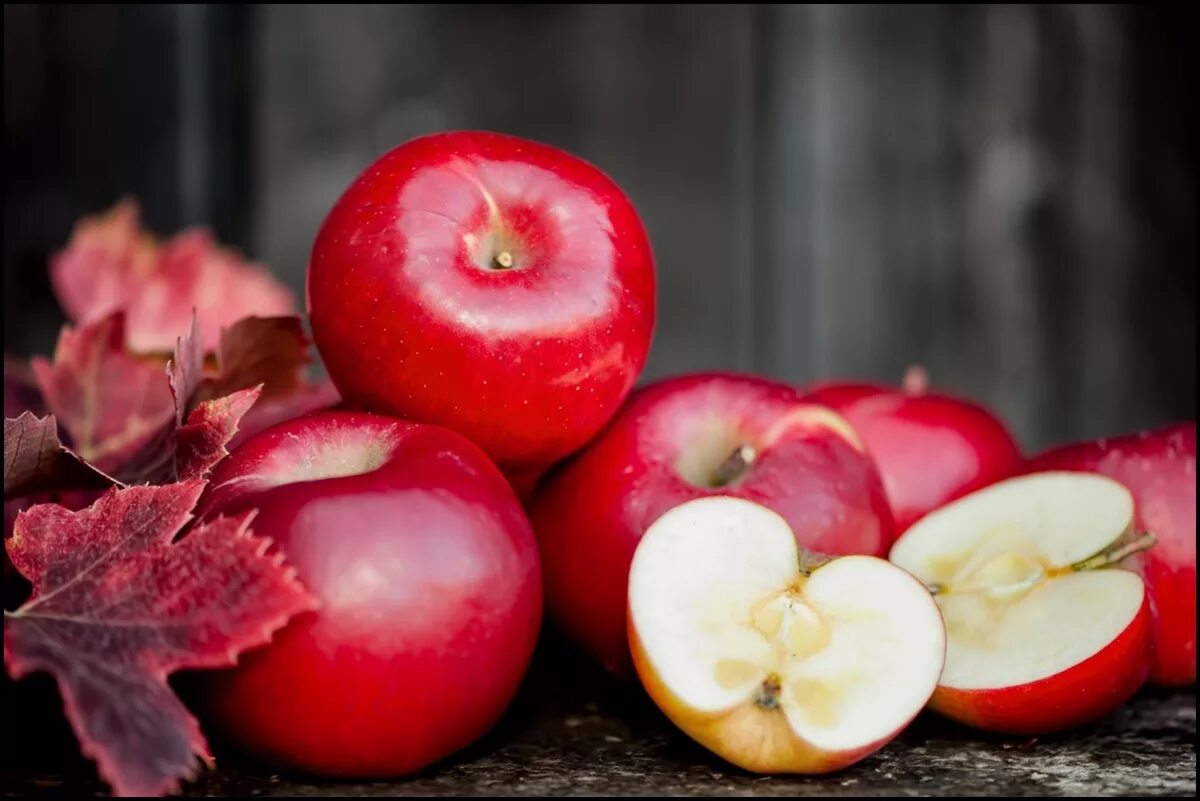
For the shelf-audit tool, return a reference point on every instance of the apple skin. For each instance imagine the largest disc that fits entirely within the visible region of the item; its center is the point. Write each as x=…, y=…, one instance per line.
x=931, y=448
x=428, y=577
x=415, y=317
x=591, y=512
x=1081, y=694
x=1159, y=469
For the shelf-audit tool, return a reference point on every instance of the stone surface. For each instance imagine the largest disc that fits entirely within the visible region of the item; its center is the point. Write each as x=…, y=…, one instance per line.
x=574, y=732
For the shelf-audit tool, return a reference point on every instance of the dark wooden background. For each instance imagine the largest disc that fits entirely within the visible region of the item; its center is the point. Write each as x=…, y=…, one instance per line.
x=1006, y=194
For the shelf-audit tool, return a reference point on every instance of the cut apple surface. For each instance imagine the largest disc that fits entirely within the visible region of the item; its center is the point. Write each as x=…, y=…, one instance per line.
x=773, y=662
x=1045, y=632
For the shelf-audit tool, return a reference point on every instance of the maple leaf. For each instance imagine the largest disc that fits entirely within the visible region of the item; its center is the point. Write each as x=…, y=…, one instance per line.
x=127, y=418
x=35, y=460
x=272, y=351
x=110, y=403
x=201, y=429
x=112, y=264
x=130, y=419
x=118, y=604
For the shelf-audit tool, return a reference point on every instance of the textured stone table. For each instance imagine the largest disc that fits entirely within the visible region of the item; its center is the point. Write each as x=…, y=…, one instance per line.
x=572, y=731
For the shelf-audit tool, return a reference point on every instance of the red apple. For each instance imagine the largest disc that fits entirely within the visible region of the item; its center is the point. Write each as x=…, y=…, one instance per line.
x=1159, y=468
x=930, y=447
x=1044, y=630
x=496, y=286
x=686, y=438
x=427, y=573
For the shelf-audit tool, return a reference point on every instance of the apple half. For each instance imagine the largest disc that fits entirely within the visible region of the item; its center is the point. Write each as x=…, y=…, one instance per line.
x=1045, y=631
x=773, y=659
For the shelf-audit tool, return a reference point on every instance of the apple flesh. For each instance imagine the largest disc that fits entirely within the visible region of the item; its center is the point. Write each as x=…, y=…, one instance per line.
x=690, y=437
x=427, y=574
x=496, y=286
x=1159, y=469
x=772, y=662
x=1044, y=632
x=931, y=448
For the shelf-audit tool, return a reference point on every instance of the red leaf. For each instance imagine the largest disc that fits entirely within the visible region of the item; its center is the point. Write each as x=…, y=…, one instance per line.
x=35, y=460
x=124, y=415
x=272, y=351
x=190, y=449
x=117, y=605
x=185, y=371
x=111, y=404
x=200, y=443
x=112, y=264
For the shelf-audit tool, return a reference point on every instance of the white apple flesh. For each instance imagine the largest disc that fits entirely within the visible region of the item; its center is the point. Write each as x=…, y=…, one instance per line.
x=770, y=659
x=1045, y=632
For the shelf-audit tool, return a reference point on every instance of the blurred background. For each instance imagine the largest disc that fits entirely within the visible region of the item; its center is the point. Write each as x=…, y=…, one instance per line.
x=1005, y=194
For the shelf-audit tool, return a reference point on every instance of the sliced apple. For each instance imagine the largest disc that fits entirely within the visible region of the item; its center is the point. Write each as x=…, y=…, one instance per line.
x=1045, y=631
x=767, y=657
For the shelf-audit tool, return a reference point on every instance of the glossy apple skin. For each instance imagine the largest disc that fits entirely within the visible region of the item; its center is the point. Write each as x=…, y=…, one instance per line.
x=591, y=512
x=428, y=577
x=1159, y=469
x=413, y=318
x=1082, y=694
x=931, y=448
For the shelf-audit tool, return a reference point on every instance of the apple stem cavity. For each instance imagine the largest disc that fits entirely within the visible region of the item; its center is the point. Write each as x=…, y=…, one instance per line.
x=734, y=466
x=1115, y=553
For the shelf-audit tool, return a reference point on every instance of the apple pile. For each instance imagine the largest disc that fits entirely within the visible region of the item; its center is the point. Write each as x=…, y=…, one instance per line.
x=483, y=304
x=726, y=538
x=793, y=574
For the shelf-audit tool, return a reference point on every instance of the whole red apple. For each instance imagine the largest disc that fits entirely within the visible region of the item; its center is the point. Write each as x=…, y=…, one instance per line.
x=685, y=438
x=427, y=573
x=496, y=286
x=931, y=448
x=1159, y=469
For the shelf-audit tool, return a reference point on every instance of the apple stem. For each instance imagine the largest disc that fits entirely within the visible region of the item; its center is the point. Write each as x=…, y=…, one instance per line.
x=916, y=380
x=768, y=692
x=503, y=260
x=1115, y=553
x=734, y=466
x=811, y=560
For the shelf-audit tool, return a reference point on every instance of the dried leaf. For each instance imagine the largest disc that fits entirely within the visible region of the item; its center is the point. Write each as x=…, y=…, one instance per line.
x=272, y=351
x=36, y=461
x=126, y=416
x=201, y=442
x=112, y=264
x=110, y=404
x=117, y=605
x=190, y=448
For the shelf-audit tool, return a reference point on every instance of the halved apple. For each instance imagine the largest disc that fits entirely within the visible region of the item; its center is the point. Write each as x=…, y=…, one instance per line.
x=1045, y=632
x=767, y=656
